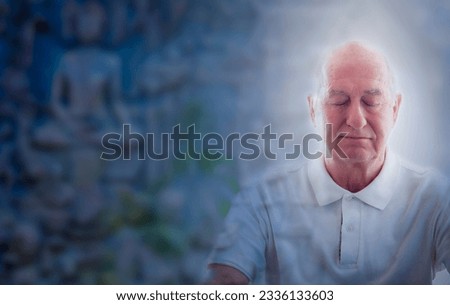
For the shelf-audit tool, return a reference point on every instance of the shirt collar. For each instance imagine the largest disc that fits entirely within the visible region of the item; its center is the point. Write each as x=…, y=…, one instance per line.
x=377, y=194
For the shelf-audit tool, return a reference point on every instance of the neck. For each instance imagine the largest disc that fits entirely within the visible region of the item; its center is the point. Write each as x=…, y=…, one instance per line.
x=354, y=176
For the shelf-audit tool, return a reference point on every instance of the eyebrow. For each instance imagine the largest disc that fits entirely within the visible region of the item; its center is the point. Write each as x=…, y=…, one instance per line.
x=373, y=92
x=332, y=92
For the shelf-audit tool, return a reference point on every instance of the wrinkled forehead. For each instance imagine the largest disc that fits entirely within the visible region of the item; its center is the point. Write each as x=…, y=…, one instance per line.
x=357, y=62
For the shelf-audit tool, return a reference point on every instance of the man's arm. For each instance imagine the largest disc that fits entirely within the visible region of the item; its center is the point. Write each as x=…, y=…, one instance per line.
x=241, y=244
x=226, y=275
x=443, y=230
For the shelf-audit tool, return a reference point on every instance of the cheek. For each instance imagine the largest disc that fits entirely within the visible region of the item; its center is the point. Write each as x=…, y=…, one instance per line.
x=382, y=126
x=334, y=116
x=336, y=119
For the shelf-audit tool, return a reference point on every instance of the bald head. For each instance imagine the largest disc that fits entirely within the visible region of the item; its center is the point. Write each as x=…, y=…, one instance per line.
x=360, y=61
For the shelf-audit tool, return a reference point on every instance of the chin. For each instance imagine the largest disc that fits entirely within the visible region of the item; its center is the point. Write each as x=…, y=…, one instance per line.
x=357, y=155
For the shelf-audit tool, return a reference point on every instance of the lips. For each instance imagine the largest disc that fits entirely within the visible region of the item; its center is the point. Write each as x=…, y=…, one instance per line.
x=354, y=137
x=357, y=138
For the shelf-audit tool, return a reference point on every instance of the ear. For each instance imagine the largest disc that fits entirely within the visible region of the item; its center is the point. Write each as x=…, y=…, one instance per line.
x=312, y=112
x=396, y=107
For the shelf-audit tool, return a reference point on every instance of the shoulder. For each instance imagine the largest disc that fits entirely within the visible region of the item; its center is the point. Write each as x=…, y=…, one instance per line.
x=277, y=183
x=428, y=181
x=277, y=174
x=423, y=174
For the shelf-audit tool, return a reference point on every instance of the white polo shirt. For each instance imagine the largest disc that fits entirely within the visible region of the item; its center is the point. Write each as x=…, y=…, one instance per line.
x=300, y=227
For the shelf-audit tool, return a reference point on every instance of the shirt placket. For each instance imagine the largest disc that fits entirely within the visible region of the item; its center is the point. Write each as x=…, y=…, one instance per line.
x=350, y=231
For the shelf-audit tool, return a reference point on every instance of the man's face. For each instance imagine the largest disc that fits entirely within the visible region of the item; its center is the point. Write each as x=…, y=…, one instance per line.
x=357, y=100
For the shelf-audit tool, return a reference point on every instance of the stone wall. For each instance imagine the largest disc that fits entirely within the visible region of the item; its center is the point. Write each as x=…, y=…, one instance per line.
x=76, y=70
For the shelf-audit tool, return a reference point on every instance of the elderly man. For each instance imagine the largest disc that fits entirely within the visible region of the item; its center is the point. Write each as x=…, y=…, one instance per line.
x=359, y=215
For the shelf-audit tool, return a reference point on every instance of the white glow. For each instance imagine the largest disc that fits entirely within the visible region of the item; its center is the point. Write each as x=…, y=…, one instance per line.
x=297, y=34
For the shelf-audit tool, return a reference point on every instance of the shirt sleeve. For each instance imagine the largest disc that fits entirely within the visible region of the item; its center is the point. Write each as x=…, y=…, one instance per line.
x=242, y=244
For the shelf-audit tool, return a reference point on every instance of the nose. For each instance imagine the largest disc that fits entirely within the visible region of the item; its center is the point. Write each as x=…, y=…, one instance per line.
x=355, y=115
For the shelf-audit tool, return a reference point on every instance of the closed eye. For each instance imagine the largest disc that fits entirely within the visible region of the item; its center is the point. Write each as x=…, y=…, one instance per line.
x=339, y=103
x=338, y=100
x=370, y=101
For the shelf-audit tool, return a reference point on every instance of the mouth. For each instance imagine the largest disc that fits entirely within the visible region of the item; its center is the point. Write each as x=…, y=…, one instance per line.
x=347, y=137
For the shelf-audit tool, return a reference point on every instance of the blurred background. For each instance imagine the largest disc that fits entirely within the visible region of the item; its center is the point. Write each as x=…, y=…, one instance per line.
x=72, y=71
